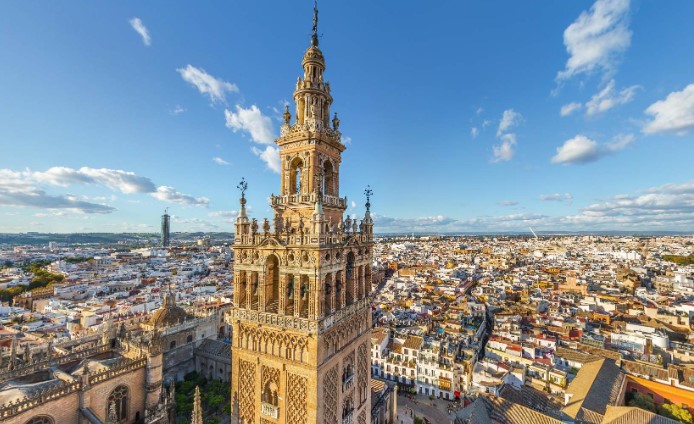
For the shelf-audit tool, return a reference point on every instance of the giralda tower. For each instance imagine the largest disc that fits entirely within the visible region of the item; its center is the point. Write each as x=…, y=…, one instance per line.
x=302, y=283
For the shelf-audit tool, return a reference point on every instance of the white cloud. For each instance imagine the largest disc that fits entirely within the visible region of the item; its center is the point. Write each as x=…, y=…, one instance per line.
x=670, y=206
x=557, y=197
x=178, y=110
x=504, y=152
x=219, y=161
x=193, y=224
x=346, y=140
x=170, y=195
x=509, y=119
x=116, y=179
x=608, y=98
x=474, y=132
x=23, y=188
x=215, y=88
x=506, y=149
x=354, y=204
x=507, y=203
x=581, y=149
x=597, y=38
x=271, y=157
x=434, y=223
x=252, y=121
x=620, y=143
x=224, y=214
x=141, y=29
x=674, y=115
x=36, y=198
x=570, y=108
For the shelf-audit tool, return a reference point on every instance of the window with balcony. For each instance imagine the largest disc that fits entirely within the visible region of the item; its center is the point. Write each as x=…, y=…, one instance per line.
x=348, y=411
x=347, y=377
x=270, y=402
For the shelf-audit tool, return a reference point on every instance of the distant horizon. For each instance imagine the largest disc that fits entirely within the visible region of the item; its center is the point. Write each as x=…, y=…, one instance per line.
x=378, y=234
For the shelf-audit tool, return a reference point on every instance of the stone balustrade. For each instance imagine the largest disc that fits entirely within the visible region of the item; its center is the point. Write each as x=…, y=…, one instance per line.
x=39, y=398
x=295, y=323
x=54, y=360
x=330, y=238
x=270, y=410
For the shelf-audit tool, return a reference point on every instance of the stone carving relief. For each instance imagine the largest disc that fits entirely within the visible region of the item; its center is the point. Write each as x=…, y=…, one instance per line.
x=330, y=392
x=247, y=391
x=296, y=399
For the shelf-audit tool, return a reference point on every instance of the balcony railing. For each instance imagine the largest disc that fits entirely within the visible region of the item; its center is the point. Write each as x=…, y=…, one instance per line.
x=270, y=410
x=347, y=383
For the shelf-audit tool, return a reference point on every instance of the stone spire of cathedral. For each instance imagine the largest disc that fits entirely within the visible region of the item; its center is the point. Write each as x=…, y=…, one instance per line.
x=196, y=417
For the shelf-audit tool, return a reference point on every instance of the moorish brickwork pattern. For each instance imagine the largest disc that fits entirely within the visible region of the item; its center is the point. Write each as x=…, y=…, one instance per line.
x=296, y=399
x=330, y=395
x=247, y=391
x=363, y=364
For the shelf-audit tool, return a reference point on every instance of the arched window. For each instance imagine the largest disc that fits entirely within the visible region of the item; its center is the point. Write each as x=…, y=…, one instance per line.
x=328, y=304
x=172, y=345
x=41, y=419
x=189, y=339
x=272, y=283
x=118, y=405
x=295, y=170
x=328, y=179
x=350, y=277
x=270, y=393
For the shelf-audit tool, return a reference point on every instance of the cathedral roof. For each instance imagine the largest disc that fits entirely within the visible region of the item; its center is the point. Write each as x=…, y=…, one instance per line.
x=169, y=314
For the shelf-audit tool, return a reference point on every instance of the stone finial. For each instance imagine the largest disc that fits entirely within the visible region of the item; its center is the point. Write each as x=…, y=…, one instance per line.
x=196, y=416
x=287, y=116
x=336, y=122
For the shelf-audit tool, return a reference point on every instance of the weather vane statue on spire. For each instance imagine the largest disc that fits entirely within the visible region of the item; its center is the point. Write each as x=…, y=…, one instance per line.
x=243, y=186
x=314, y=37
x=368, y=192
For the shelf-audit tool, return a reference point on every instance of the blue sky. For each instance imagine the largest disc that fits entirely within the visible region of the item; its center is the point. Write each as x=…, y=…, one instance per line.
x=462, y=116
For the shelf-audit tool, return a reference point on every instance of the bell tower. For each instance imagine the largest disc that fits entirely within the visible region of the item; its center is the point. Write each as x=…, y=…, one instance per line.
x=301, y=312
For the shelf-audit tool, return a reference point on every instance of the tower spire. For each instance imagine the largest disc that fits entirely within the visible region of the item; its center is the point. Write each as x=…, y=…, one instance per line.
x=314, y=37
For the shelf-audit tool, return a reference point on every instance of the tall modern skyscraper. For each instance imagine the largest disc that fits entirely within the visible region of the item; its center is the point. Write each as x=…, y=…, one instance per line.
x=302, y=286
x=165, y=229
